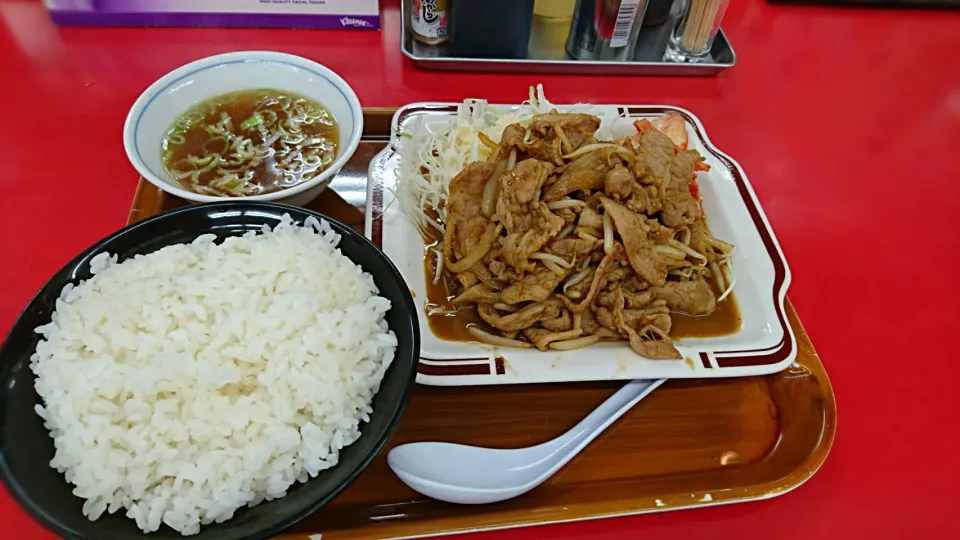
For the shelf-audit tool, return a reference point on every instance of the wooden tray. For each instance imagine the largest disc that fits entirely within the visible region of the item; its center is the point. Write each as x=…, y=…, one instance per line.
x=691, y=443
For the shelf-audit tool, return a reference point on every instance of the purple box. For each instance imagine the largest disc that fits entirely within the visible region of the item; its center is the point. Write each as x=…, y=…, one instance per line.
x=359, y=14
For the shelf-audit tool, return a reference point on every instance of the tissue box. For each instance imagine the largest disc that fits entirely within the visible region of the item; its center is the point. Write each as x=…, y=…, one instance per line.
x=359, y=14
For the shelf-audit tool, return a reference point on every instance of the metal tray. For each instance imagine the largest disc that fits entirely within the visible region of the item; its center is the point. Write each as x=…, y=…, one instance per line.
x=547, y=54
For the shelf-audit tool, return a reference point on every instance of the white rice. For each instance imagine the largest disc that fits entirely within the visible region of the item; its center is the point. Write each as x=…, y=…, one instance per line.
x=187, y=383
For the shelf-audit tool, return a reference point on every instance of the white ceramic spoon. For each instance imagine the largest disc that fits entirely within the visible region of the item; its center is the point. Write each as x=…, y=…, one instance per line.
x=472, y=475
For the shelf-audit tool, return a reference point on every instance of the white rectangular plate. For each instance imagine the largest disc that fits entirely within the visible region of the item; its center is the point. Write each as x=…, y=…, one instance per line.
x=765, y=343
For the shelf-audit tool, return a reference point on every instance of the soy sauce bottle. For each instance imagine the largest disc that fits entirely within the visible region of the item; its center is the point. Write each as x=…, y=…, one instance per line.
x=430, y=21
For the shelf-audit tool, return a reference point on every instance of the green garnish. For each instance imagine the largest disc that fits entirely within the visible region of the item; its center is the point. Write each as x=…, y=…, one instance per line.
x=252, y=122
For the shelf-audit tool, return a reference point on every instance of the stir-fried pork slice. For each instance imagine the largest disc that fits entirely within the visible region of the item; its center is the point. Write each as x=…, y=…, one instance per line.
x=512, y=138
x=574, y=248
x=656, y=151
x=585, y=172
x=466, y=190
x=477, y=293
x=543, y=338
x=633, y=232
x=679, y=206
x=525, y=318
x=529, y=222
x=693, y=297
x=561, y=323
x=590, y=218
x=609, y=262
x=535, y=286
x=644, y=199
x=650, y=341
x=581, y=288
x=698, y=235
x=466, y=222
x=577, y=128
x=548, y=150
x=619, y=182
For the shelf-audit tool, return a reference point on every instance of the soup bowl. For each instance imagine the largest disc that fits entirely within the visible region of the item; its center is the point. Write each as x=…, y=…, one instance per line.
x=168, y=98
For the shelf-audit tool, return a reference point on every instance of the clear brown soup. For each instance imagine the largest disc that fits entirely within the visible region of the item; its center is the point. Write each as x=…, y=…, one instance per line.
x=249, y=143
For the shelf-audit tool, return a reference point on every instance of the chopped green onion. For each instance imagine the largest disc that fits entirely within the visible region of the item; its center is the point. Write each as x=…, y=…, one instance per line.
x=176, y=139
x=252, y=122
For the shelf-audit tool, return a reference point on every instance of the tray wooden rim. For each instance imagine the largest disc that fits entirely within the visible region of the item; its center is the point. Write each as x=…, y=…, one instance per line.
x=149, y=200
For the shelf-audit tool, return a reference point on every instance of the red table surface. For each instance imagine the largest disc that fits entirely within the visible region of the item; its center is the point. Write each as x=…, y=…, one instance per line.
x=846, y=120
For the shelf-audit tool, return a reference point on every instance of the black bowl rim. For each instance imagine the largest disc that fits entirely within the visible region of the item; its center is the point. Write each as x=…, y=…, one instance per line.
x=53, y=524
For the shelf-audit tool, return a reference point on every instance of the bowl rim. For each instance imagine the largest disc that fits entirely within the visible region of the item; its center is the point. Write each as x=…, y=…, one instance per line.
x=53, y=524
x=131, y=122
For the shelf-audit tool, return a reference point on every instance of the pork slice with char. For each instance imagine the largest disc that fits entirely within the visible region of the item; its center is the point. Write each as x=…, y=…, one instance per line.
x=466, y=222
x=648, y=341
x=561, y=323
x=534, y=286
x=530, y=224
x=543, y=338
x=655, y=155
x=644, y=199
x=577, y=128
x=692, y=297
x=619, y=182
x=511, y=138
x=570, y=249
x=525, y=318
x=587, y=172
x=599, y=279
x=590, y=218
x=639, y=248
x=679, y=206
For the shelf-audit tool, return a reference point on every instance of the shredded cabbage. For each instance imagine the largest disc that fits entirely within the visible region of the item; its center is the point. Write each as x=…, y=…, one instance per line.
x=430, y=158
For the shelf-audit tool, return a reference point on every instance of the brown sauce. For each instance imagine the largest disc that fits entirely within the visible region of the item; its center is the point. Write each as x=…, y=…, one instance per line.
x=724, y=320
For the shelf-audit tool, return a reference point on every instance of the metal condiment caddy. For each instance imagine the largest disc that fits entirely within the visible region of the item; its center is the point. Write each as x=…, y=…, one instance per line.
x=571, y=36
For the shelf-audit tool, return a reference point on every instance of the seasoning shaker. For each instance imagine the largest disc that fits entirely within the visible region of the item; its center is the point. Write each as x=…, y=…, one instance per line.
x=490, y=28
x=692, y=37
x=658, y=11
x=430, y=21
x=605, y=29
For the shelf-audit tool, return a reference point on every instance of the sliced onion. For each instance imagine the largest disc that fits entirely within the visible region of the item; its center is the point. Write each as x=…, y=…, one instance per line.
x=492, y=188
x=729, y=289
x=587, y=236
x=553, y=268
x=597, y=146
x=478, y=251
x=565, y=203
x=671, y=252
x=564, y=141
x=577, y=278
x=527, y=138
x=607, y=233
x=487, y=141
x=439, y=270
x=512, y=160
x=552, y=258
x=577, y=343
x=687, y=249
x=719, y=244
x=497, y=340
x=718, y=276
x=565, y=232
